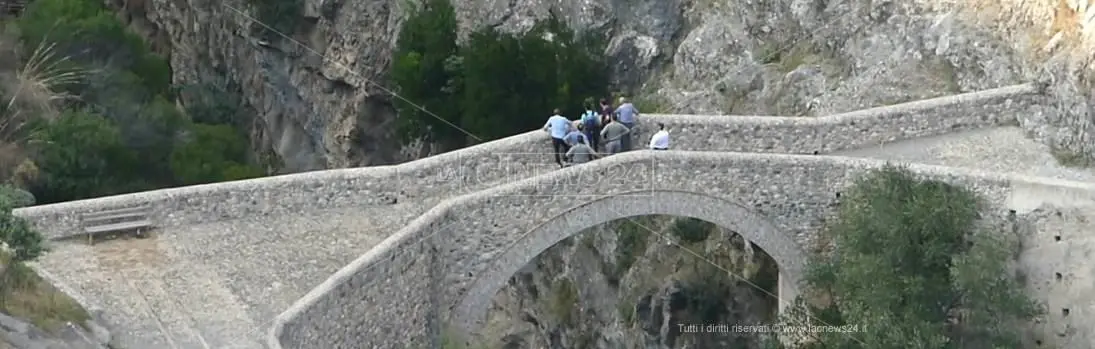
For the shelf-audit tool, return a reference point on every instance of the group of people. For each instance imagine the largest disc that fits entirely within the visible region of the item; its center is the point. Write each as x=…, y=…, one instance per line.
x=603, y=129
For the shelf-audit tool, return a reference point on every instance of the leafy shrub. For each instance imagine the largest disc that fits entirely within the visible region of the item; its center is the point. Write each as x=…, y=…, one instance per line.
x=511, y=83
x=692, y=230
x=213, y=104
x=91, y=35
x=235, y=172
x=15, y=198
x=52, y=19
x=212, y=153
x=423, y=73
x=496, y=84
x=910, y=260
x=564, y=301
x=631, y=242
x=82, y=155
x=23, y=293
x=24, y=242
x=705, y=291
x=280, y=15
x=128, y=112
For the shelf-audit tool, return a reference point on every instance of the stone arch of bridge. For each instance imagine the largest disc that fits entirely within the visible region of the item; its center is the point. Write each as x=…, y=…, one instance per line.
x=470, y=310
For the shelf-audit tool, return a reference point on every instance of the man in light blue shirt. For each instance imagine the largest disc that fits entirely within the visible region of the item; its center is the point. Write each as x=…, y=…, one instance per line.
x=627, y=114
x=558, y=127
x=575, y=136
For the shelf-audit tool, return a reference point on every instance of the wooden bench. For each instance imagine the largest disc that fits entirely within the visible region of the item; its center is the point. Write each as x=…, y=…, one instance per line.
x=138, y=219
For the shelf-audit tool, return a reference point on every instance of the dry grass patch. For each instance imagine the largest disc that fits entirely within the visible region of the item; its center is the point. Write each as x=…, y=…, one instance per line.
x=25, y=295
x=1066, y=20
x=1069, y=158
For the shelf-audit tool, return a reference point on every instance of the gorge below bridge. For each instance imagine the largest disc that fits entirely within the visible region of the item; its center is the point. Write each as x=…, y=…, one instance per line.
x=401, y=252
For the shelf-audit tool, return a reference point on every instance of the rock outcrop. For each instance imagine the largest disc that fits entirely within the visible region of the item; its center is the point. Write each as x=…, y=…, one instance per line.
x=321, y=98
x=17, y=334
x=633, y=284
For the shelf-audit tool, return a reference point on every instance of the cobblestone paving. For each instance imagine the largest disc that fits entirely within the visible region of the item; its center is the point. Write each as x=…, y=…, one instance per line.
x=217, y=285
x=1003, y=150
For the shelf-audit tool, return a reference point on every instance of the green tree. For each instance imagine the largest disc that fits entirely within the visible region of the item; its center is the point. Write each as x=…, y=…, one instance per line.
x=88, y=34
x=82, y=155
x=211, y=153
x=939, y=282
x=282, y=16
x=512, y=83
x=493, y=86
x=238, y=171
x=15, y=197
x=692, y=230
x=213, y=103
x=493, y=101
x=25, y=242
x=423, y=75
x=51, y=19
x=132, y=115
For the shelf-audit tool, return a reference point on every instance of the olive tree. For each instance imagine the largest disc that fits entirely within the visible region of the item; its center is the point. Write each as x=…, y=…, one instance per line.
x=912, y=269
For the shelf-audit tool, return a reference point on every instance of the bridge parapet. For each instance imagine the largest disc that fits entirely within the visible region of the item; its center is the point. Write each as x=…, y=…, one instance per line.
x=471, y=244
x=851, y=130
x=526, y=155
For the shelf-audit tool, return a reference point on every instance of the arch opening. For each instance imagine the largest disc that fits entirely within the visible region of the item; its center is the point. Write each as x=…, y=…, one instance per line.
x=731, y=219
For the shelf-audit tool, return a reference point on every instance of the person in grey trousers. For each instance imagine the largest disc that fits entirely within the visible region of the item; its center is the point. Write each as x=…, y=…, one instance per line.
x=614, y=135
x=627, y=114
x=581, y=152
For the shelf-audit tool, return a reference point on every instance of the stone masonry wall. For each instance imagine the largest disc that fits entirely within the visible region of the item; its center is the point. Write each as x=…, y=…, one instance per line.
x=476, y=235
x=385, y=299
x=852, y=130
x=468, y=170
x=794, y=193
x=394, y=285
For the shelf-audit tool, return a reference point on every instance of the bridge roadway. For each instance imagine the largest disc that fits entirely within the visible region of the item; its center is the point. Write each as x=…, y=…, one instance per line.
x=218, y=285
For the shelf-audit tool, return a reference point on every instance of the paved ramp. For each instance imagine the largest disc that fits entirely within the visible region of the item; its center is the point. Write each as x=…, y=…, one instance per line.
x=1001, y=149
x=219, y=285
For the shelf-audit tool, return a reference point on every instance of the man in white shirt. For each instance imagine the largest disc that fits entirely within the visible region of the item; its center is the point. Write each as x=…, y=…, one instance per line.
x=660, y=140
x=558, y=127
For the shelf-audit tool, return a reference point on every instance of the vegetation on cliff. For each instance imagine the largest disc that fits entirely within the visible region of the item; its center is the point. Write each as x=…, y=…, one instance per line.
x=913, y=269
x=494, y=85
x=22, y=293
x=89, y=110
x=281, y=16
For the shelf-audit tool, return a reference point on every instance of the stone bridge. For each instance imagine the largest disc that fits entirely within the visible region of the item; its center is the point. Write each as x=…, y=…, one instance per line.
x=425, y=245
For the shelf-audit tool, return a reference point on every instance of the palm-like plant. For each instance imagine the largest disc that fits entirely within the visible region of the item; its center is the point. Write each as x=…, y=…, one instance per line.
x=32, y=90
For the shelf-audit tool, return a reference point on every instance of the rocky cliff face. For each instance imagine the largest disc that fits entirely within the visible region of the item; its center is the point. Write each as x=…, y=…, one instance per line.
x=321, y=101
x=632, y=284
x=17, y=334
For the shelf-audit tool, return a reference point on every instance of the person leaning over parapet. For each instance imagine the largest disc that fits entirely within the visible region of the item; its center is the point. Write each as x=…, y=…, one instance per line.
x=581, y=152
x=606, y=112
x=627, y=114
x=558, y=127
x=613, y=134
x=575, y=135
x=591, y=125
x=660, y=140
